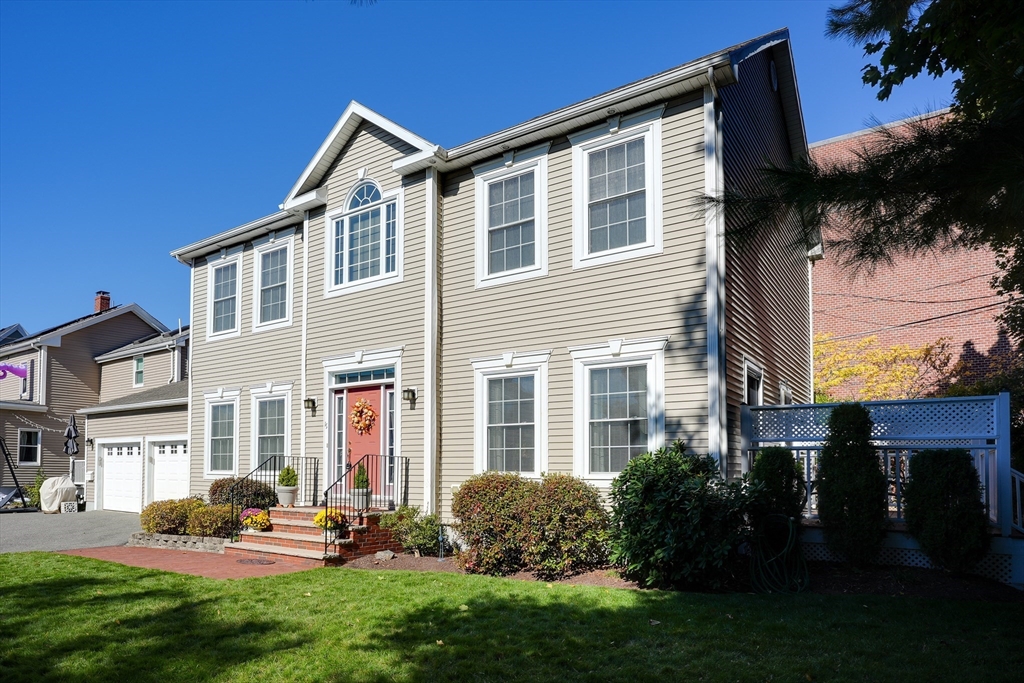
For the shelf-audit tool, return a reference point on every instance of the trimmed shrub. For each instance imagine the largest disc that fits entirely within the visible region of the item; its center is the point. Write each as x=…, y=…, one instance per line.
x=675, y=522
x=783, y=490
x=414, y=530
x=943, y=508
x=211, y=520
x=361, y=480
x=490, y=523
x=168, y=516
x=565, y=528
x=288, y=476
x=33, y=490
x=251, y=493
x=851, y=487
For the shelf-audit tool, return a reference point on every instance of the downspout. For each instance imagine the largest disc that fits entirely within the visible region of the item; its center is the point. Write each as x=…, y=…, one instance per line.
x=302, y=350
x=718, y=438
x=430, y=311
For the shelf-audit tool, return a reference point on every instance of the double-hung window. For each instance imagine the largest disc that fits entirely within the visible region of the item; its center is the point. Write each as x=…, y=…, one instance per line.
x=272, y=293
x=221, y=432
x=619, y=404
x=617, y=190
x=222, y=296
x=138, y=373
x=511, y=413
x=270, y=429
x=366, y=239
x=511, y=217
x=29, y=446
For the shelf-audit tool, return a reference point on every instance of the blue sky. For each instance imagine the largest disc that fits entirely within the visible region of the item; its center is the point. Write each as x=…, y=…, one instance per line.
x=129, y=129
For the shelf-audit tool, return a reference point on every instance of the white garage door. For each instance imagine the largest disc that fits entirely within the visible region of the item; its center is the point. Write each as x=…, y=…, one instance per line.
x=122, y=477
x=170, y=470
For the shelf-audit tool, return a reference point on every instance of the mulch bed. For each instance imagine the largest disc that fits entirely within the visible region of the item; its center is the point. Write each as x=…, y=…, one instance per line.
x=826, y=579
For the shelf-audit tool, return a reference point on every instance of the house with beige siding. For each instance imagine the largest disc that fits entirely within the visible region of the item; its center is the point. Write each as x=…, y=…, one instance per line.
x=49, y=376
x=551, y=297
x=136, y=436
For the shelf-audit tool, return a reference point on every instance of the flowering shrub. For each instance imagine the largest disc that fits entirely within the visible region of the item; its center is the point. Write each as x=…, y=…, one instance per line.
x=254, y=518
x=329, y=519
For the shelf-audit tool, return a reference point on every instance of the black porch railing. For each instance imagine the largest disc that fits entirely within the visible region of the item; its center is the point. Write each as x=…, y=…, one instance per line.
x=373, y=482
x=241, y=492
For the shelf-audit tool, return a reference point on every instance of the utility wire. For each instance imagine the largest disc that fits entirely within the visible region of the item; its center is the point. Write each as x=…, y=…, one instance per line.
x=914, y=322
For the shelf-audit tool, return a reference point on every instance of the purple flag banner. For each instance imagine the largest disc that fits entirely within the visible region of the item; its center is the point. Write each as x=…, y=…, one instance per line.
x=16, y=370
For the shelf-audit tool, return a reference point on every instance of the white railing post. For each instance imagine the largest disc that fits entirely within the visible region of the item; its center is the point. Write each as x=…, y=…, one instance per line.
x=1004, y=498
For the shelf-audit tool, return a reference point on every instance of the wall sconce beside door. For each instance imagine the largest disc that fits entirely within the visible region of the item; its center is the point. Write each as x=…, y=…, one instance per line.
x=409, y=396
x=310, y=405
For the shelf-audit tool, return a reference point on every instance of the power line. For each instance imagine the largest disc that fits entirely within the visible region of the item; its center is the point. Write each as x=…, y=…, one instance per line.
x=903, y=301
x=916, y=322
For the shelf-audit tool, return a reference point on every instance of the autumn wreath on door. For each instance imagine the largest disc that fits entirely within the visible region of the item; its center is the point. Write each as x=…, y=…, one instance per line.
x=362, y=417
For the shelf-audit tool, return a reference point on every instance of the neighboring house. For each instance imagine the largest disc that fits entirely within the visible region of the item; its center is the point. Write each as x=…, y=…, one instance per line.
x=137, y=436
x=50, y=375
x=547, y=298
x=916, y=300
x=11, y=333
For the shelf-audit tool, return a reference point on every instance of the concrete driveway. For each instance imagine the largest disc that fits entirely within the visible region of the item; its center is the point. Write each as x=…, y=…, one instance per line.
x=23, y=531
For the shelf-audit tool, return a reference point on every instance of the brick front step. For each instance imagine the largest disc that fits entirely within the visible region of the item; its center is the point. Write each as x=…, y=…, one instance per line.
x=293, y=556
x=297, y=526
x=285, y=540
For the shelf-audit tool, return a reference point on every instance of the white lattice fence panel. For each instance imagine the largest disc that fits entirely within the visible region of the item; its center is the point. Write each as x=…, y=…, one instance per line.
x=939, y=422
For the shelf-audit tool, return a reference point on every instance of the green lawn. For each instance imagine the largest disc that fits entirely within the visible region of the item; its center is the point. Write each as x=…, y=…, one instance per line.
x=77, y=619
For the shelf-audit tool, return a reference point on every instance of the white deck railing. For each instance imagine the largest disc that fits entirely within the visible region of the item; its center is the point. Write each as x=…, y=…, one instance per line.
x=981, y=425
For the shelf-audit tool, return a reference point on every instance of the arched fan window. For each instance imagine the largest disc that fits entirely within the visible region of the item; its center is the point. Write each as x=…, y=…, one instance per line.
x=366, y=236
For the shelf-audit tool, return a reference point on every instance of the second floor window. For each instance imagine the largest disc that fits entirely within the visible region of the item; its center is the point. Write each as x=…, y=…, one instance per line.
x=366, y=239
x=511, y=241
x=225, y=299
x=274, y=285
x=617, y=210
x=138, y=374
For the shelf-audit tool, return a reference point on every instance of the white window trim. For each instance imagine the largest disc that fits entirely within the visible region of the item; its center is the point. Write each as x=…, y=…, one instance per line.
x=615, y=353
x=748, y=366
x=272, y=242
x=352, y=362
x=512, y=164
x=785, y=393
x=25, y=391
x=512, y=364
x=266, y=392
x=645, y=124
x=135, y=370
x=227, y=256
x=343, y=212
x=39, y=449
x=221, y=397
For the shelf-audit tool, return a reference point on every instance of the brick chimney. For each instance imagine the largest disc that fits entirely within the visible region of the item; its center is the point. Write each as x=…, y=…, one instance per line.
x=102, y=302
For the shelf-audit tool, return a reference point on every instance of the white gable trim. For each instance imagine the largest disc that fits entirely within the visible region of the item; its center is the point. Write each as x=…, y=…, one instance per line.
x=353, y=115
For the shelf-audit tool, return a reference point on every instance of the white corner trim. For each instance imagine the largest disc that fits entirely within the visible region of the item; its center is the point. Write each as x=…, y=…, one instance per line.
x=647, y=127
x=302, y=351
x=430, y=350
x=512, y=364
x=225, y=258
x=191, y=346
x=714, y=245
x=535, y=160
x=273, y=242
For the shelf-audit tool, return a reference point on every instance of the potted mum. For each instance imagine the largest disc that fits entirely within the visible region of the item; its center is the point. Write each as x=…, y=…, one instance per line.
x=255, y=518
x=287, y=486
x=329, y=519
x=361, y=488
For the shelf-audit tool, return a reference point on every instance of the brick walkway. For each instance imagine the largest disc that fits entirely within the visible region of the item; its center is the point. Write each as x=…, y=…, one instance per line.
x=210, y=565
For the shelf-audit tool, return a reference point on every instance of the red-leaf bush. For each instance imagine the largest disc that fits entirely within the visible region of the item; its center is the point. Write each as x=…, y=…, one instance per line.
x=565, y=528
x=211, y=520
x=490, y=525
x=168, y=516
x=249, y=494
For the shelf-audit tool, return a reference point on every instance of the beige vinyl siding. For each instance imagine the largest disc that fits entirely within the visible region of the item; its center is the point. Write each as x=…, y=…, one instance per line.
x=387, y=316
x=10, y=386
x=117, y=377
x=54, y=462
x=131, y=426
x=651, y=296
x=249, y=359
x=767, y=287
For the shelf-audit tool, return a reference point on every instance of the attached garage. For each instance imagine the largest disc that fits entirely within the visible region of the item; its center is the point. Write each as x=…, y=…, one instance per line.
x=170, y=470
x=122, y=477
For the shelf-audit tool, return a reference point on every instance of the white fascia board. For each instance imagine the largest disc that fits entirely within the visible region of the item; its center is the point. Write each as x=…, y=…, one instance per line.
x=148, y=405
x=231, y=237
x=419, y=161
x=306, y=202
x=159, y=344
x=353, y=115
x=26, y=407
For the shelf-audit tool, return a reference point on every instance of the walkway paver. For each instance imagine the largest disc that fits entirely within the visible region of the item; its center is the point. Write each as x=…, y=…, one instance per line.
x=210, y=565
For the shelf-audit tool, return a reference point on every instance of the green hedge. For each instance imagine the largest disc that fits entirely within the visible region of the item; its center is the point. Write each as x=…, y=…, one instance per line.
x=211, y=520
x=251, y=493
x=414, y=530
x=943, y=508
x=783, y=489
x=168, y=516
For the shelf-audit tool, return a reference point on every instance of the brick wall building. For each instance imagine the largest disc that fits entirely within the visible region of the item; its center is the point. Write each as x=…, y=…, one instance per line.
x=915, y=301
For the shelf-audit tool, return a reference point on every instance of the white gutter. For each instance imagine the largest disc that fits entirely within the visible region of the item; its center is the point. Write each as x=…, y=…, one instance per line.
x=164, y=403
x=27, y=407
x=233, y=236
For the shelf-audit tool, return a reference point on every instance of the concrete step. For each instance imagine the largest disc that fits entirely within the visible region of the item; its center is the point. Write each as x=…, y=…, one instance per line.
x=278, y=539
x=305, y=558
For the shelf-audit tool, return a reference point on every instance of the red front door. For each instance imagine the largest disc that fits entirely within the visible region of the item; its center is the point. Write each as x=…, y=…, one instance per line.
x=351, y=446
